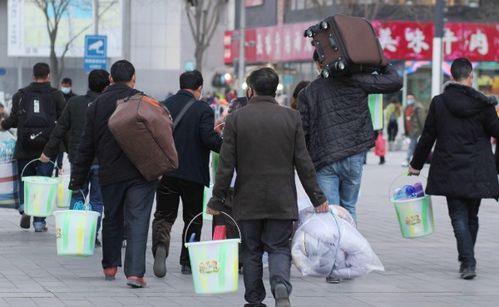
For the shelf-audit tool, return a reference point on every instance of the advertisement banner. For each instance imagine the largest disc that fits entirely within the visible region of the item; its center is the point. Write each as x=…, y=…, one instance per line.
x=401, y=40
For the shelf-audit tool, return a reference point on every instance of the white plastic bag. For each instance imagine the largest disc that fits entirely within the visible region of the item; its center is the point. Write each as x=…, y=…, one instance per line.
x=315, y=243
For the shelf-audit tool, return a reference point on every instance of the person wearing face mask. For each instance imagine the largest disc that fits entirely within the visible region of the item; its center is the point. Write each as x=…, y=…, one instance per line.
x=414, y=118
x=195, y=136
x=67, y=88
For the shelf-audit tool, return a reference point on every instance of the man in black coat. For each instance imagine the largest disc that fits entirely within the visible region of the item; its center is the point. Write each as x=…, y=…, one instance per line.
x=264, y=144
x=127, y=195
x=194, y=136
x=338, y=129
x=37, y=103
x=461, y=122
x=72, y=122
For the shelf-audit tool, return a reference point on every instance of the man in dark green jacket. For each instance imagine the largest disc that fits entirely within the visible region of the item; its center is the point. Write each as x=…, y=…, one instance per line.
x=264, y=144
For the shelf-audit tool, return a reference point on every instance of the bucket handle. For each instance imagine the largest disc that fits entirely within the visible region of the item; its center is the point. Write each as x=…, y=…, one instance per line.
x=199, y=214
x=55, y=165
x=404, y=174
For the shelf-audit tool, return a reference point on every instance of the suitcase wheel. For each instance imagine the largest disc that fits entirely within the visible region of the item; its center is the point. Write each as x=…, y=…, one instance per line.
x=339, y=65
x=308, y=33
x=324, y=25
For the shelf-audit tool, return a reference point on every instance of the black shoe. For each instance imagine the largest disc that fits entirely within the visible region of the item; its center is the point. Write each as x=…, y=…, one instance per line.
x=97, y=243
x=186, y=270
x=332, y=279
x=25, y=221
x=461, y=268
x=159, y=267
x=468, y=273
x=281, y=296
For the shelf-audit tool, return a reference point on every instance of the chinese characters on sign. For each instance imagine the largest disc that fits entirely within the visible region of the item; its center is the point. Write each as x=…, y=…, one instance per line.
x=400, y=41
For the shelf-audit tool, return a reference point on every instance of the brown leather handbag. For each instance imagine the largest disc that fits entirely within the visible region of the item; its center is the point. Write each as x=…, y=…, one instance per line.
x=143, y=128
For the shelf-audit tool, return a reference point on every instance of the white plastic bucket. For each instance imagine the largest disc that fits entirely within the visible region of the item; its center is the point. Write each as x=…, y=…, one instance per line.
x=63, y=193
x=39, y=194
x=214, y=264
x=75, y=232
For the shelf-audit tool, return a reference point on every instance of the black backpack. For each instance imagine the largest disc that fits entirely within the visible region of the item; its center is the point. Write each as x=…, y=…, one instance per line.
x=38, y=116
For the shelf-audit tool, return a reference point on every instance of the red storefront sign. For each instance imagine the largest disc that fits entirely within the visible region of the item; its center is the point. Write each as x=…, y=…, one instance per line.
x=400, y=41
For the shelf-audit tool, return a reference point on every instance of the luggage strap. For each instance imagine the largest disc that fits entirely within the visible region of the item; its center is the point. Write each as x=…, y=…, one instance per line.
x=182, y=113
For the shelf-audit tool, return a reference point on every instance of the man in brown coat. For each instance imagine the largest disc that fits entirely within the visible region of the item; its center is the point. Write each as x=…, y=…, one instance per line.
x=264, y=144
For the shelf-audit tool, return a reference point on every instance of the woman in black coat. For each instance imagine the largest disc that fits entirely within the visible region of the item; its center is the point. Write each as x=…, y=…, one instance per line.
x=461, y=121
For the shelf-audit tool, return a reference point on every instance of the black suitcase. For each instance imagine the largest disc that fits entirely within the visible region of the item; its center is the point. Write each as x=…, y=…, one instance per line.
x=346, y=45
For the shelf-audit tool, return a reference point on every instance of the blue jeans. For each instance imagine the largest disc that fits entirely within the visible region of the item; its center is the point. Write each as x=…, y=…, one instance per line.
x=464, y=217
x=340, y=182
x=36, y=168
x=91, y=186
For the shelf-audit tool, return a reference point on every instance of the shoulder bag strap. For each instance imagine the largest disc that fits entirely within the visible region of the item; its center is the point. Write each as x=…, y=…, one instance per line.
x=182, y=113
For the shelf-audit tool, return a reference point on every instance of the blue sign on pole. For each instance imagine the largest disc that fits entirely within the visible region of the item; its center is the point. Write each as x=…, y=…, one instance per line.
x=95, y=52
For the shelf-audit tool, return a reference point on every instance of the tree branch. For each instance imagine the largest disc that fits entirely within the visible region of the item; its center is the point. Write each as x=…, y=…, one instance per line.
x=189, y=18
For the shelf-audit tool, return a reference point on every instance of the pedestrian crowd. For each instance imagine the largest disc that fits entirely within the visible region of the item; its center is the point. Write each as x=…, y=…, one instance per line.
x=323, y=138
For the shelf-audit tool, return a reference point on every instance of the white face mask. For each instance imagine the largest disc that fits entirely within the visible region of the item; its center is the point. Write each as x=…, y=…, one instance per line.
x=410, y=101
x=66, y=90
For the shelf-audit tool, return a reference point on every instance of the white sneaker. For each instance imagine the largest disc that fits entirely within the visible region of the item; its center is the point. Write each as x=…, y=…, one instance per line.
x=405, y=164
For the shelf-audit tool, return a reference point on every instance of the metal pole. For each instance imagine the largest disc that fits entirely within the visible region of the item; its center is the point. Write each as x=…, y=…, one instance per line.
x=242, y=40
x=126, y=30
x=436, y=72
x=19, y=73
x=96, y=17
x=404, y=87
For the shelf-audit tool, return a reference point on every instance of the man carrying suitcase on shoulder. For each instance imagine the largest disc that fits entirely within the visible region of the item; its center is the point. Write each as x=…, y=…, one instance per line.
x=338, y=129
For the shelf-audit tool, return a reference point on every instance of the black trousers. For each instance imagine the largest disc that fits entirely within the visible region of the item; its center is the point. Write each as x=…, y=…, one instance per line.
x=129, y=202
x=170, y=191
x=272, y=236
x=464, y=217
x=393, y=129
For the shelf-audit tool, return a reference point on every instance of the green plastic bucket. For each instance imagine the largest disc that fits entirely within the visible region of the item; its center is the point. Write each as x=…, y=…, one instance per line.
x=214, y=264
x=39, y=193
x=75, y=232
x=63, y=193
x=415, y=216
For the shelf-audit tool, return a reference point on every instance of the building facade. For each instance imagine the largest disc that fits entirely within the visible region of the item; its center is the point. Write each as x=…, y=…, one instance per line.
x=274, y=31
x=156, y=38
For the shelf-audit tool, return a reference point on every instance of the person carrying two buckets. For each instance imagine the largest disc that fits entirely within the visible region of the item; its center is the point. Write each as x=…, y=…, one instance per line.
x=264, y=151
x=460, y=121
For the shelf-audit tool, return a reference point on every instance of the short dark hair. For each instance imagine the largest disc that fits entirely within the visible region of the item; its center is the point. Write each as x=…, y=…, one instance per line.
x=122, y=71
x=301, y=85
x=98, y=80
x=191, y=80
x=41, y=70
x=461, y=69
x=316, y=56
x=67, y=81
x=263, y=81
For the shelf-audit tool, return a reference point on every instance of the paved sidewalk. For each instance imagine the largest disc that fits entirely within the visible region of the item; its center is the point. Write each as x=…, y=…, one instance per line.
x=421, y=272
